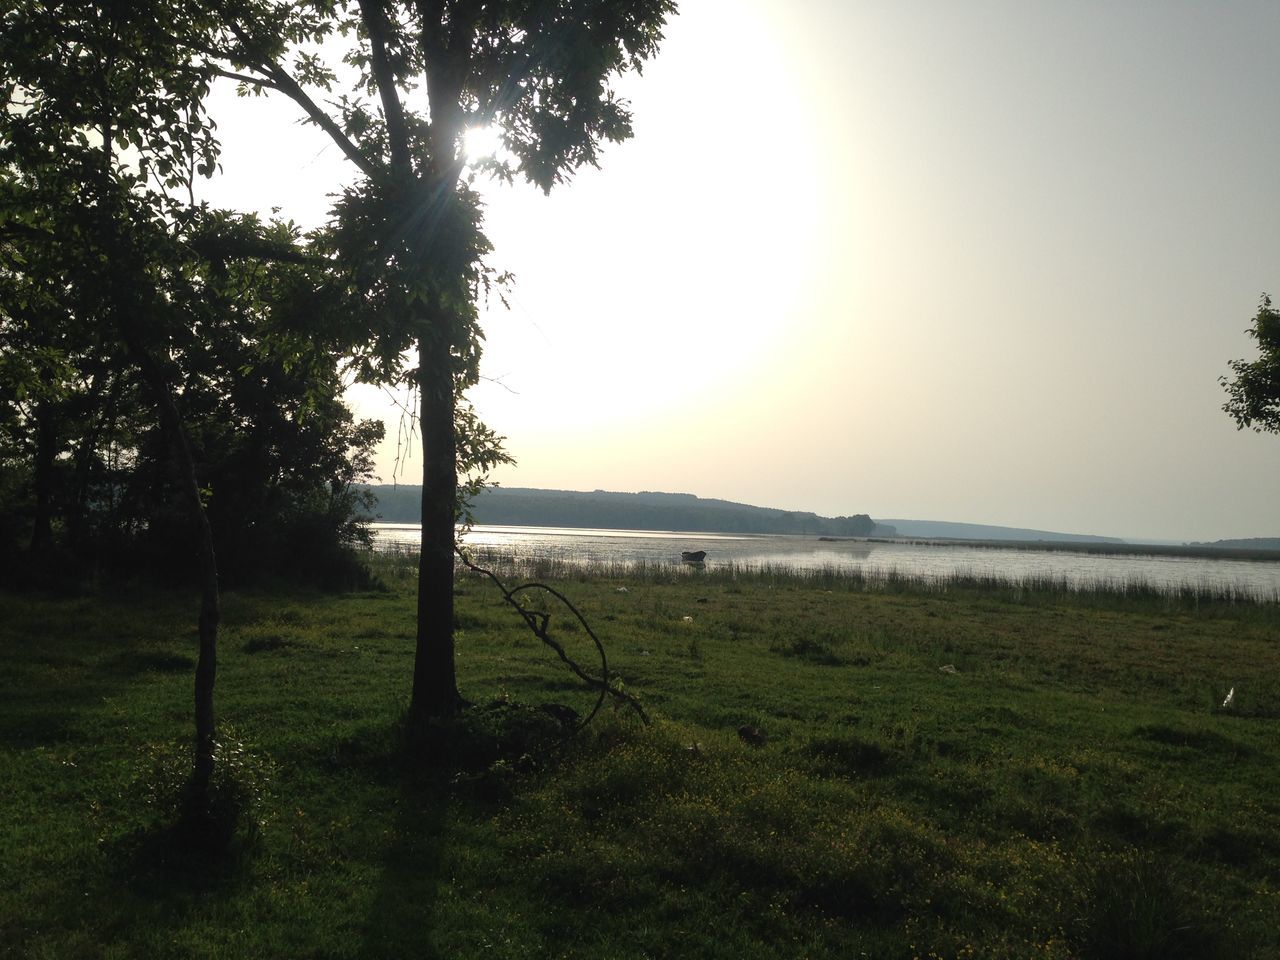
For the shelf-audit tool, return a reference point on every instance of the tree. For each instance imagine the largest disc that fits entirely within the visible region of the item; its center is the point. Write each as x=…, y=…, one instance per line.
x=109, y=279
x=410, y=230
x=61, y=399
x=277, y=452
x=1254, y=394
x=83, y=83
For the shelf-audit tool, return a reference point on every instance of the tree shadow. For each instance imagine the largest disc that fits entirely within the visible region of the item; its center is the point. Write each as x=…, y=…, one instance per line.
x=135, y=661
x=43, y=717
x=401, y=922
x=169, y=867
x=198, y=841
x=191, y=855
x=445, y=770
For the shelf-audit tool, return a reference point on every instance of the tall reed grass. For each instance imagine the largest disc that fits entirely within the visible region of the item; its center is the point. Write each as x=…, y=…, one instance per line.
x=398, y=561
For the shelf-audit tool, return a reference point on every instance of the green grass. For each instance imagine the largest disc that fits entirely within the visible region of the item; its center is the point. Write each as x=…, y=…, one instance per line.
x=1073, y=790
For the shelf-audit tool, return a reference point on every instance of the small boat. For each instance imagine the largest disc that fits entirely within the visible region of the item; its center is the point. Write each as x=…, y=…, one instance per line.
x=693, y=556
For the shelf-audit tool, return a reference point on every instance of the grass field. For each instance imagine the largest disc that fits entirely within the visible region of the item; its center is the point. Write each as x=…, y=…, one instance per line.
x=1072, y=787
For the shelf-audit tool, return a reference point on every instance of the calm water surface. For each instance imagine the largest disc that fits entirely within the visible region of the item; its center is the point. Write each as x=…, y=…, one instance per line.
x=928, y=561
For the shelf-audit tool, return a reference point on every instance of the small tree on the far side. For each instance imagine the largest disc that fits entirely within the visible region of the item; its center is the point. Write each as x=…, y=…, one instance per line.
x=1253, y=396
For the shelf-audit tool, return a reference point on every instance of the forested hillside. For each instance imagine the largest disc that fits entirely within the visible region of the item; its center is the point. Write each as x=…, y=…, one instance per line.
x=626, y=511
x=1248, y=543
x=947, y=530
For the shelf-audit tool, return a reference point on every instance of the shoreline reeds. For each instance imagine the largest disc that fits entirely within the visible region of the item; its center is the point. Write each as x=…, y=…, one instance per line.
x=401, y=560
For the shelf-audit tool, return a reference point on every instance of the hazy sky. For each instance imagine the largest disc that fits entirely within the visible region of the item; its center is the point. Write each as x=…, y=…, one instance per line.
x=978, y=261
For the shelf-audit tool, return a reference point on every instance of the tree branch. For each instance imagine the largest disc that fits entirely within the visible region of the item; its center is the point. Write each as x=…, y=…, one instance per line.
x=282, y=81
x=443, y=90
x=379, y=28
x=240, y=248
x=539, y=623
x=243, y=78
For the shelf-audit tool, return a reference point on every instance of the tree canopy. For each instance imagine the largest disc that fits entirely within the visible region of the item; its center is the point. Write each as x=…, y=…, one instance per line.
x=1253, y=394
x=110, y=275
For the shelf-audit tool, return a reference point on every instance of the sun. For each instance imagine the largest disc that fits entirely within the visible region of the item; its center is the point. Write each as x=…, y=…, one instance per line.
x=481, y=143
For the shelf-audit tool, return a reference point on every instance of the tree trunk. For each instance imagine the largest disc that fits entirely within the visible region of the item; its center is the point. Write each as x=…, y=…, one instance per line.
x=207, y=658
x=126, y=278
x=77, y=514
x=46, y=453
x=435, y=684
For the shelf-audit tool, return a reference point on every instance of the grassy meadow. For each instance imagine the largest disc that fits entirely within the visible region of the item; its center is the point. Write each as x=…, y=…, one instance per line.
x=1069, y=786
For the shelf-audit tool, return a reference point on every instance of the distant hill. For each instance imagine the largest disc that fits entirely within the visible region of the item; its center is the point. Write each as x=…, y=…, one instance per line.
x=1248, y=543
x=944, y=530
x=526, y=506
x=520, y=506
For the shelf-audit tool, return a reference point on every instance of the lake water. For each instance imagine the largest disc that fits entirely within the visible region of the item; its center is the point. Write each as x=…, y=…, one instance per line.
x=1258, y=578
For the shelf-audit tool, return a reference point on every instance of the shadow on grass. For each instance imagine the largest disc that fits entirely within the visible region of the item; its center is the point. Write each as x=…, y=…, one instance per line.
x=1206, y=740
x=443, y=770
x=402, y=920
x=194, y=838
x=133, y=662
x=848, y=756
x=44, y=691
x=198, y=848
x=268, y=643
x=1140, y=907
x=38, y=718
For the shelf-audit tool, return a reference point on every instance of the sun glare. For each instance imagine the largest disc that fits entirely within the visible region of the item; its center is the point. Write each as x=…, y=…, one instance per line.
x=481, y=143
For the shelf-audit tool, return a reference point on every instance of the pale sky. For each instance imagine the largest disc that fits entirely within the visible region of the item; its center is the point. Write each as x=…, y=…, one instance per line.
x=978, y=261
